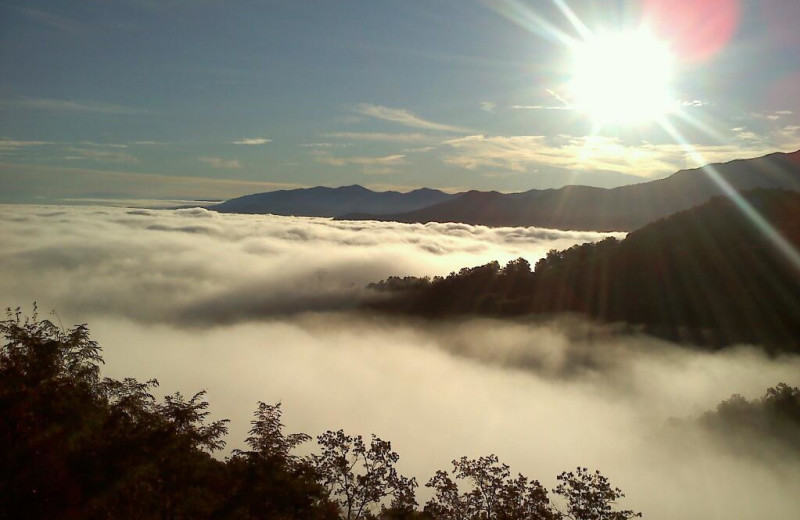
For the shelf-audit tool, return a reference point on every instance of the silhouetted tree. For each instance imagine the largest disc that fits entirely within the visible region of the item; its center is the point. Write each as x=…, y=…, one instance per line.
x=49, y=380
x=183, y=465
x=359, y=477
x=74, y=446
x=744, y=425
x=590, y=496
x=493, y=493
x=707, y=276
x=271, y=482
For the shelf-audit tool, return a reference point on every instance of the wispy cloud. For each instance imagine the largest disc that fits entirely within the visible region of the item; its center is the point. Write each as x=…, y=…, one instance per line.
x=419, y=149
x=113, y=155
x=9, y=145
x=323, y=145
x=771, y=116
x=524, y=153
x=219, y=163
x=488, y=106
x=563, y=104
x=253, y=141
x=694, y=103
x=104, y=145
x=540, y=107
x=403, y=117
x=67, y=105
x=380, y=137
x=370, y=165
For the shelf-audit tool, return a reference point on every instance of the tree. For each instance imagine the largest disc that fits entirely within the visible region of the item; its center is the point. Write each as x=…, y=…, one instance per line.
x=49, y=379
x=590, y=496
x=184, y=463
x=493, y=493
x=75, y=446
x=360, y=477
x=267, y=439
x=271, y=482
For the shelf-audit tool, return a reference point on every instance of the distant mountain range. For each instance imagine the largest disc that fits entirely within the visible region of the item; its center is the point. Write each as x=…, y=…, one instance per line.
x=572, y=207
x=333, y=202
x=599, y=209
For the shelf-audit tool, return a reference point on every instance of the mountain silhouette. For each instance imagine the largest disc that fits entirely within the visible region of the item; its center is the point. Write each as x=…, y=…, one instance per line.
x=710, y=275
x=332, y=202
x=624, y=208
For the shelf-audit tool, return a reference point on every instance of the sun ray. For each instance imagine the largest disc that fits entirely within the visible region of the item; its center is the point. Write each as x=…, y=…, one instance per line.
x=526, y=18
x=777, y=240
x=573, y=19
x=700, y=125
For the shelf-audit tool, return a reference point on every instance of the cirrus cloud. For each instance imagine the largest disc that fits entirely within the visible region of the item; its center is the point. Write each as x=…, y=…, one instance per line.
x=403, y=117
x=252, y=141
x=219, y=163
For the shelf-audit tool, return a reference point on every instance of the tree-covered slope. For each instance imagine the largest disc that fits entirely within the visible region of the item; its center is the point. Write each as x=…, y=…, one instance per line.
x=709, y=275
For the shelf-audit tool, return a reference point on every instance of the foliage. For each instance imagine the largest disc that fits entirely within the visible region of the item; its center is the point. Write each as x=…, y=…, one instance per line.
x=590, y=496
x=493, y=495
x=360, y=476
x=267, y=439
x=775, y=417
x=73, y=445
x=707, y=276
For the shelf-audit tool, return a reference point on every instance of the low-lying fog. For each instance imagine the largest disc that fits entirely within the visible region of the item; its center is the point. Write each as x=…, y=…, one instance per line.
x=260, y=308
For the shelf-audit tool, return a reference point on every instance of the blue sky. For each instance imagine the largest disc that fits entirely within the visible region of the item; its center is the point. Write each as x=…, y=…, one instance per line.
x=206, y=98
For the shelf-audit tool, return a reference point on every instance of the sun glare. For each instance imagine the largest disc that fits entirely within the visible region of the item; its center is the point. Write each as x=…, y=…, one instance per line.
x=622, y=78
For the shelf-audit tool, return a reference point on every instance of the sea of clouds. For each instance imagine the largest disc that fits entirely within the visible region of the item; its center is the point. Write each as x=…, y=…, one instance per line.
x=263, y=308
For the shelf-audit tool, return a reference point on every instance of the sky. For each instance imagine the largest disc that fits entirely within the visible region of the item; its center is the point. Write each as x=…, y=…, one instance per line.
x=212, y=99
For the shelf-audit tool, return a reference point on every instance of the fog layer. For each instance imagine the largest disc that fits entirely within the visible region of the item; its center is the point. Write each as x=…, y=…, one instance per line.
x=199, y=267
x=256, y=308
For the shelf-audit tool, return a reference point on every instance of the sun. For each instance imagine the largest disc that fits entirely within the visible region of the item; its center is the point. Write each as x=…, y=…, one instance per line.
x=622, y=78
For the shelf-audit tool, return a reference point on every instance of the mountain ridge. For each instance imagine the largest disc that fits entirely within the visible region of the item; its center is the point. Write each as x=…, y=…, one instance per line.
x=323, y=201
x=572, y=207
x=624, y=208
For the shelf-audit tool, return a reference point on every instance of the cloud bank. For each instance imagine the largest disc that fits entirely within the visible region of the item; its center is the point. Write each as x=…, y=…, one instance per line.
x=196, y=266
x=257, y=307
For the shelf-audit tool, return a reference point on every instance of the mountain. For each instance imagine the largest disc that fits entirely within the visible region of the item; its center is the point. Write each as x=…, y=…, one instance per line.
x=599, y=209
x=331, y=202
x=709, y=276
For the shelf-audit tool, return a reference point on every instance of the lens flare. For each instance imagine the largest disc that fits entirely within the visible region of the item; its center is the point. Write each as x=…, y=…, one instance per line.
x=698, y=29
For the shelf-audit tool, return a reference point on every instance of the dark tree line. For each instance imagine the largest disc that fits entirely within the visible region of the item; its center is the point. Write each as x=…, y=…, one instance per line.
x=764, y=427
x=711, y=276
x=76, y=445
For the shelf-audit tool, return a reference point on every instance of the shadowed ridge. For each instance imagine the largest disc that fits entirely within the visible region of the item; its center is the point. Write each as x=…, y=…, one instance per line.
x=625, y=208
x=322, y=201
x=707, y=276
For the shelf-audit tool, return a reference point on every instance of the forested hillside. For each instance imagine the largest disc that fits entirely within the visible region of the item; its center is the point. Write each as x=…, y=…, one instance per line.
x=710, y=275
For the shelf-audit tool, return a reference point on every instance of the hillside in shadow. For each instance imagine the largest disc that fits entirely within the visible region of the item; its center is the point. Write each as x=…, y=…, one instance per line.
x=709, y=276
x=331, y=202
x=625, y=208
